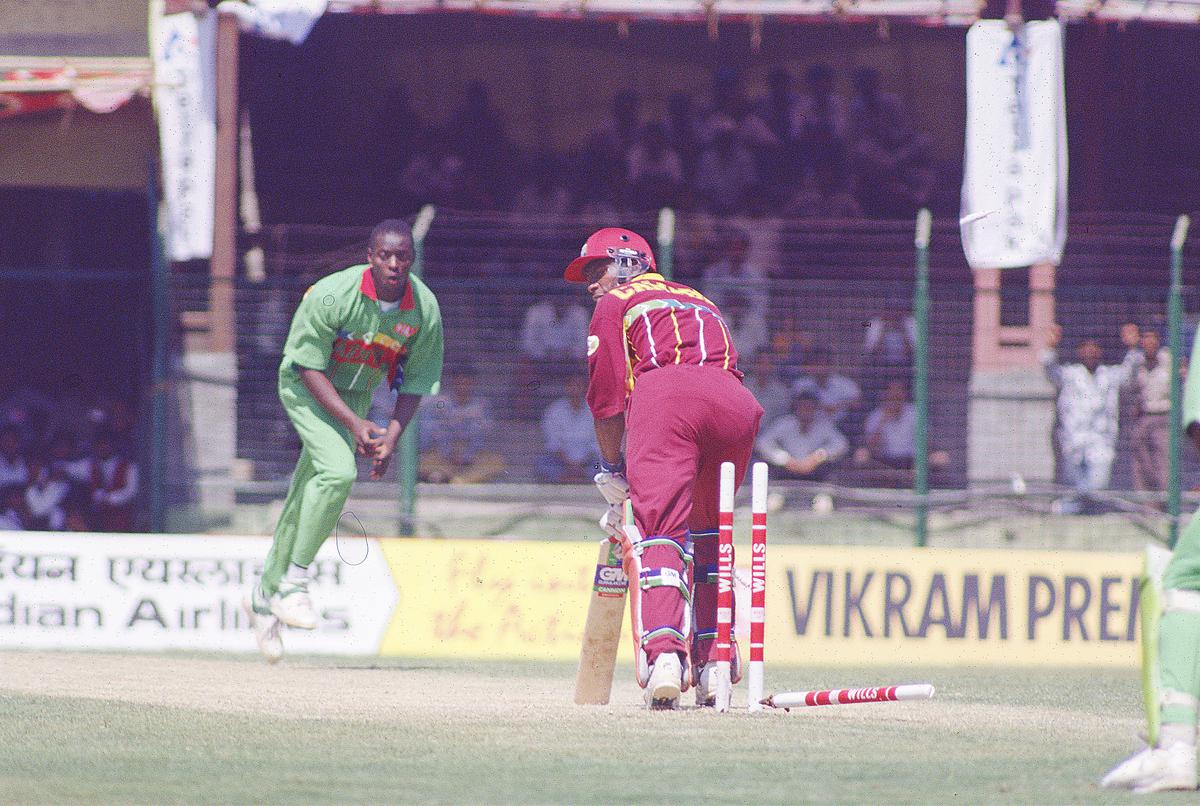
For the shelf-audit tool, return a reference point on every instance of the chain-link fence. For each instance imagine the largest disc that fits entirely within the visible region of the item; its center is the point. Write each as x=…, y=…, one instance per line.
x=798, y=294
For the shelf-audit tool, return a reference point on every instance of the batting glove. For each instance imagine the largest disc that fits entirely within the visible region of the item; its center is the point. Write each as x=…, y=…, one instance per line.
x=613, y=486
x=613, y=523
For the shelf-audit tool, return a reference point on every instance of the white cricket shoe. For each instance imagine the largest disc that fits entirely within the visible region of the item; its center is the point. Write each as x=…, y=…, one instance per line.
x=706, y=694
x=292, y=605
x=265, y=625
x=665, y=684
x=1155, y=769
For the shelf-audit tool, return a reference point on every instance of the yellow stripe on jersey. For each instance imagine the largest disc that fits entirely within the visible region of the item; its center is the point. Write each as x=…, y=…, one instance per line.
x=678, y=338
x=725, y=335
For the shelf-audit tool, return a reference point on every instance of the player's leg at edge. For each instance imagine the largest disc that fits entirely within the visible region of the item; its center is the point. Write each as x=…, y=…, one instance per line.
x=1168, y=762
x=266, y=625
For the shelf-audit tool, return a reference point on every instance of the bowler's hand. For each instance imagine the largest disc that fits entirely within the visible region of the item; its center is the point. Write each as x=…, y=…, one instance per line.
x=367, y=436
x=383, y=454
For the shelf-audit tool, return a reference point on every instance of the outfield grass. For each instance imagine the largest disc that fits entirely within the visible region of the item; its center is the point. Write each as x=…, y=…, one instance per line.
x=76, y=727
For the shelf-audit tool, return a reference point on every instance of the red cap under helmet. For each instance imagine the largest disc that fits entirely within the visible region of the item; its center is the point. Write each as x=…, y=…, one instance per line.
x=604, y=244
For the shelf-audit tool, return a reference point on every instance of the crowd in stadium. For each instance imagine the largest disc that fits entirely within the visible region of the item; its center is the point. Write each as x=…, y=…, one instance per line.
x=803, y=149
x=66, y=467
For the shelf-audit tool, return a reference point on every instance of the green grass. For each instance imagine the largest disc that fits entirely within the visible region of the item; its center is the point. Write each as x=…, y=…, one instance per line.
x=230, y=730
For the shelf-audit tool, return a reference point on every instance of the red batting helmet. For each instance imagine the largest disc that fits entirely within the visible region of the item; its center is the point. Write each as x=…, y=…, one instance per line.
x=612, y=243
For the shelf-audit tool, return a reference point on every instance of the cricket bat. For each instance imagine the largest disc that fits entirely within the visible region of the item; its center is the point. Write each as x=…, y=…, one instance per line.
x=602, y=631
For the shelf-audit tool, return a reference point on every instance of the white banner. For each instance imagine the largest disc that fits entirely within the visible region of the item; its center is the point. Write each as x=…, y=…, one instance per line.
x=1016, y=146
x=185, y=97
x=290, y=20
x=156, y=592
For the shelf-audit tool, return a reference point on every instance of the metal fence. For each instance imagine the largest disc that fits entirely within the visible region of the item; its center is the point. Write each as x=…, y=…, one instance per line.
x=816, y=286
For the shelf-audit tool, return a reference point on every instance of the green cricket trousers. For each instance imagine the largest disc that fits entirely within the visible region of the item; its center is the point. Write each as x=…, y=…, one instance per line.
x=321, y=482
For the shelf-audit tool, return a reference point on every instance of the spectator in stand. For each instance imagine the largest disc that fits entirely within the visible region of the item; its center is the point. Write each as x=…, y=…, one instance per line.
x=553, y=343
x=747, y=325
x=1151, y=384
x=476, y=135
x=792, y=343
x=824, y=193
x=733, y=272
x=13, y=515
x=890, y=157
x=569, y=434
x=543, y=197
x=113, y=481
x=46, y=496
x=14, y=468
x=889, y=438
x=804, y=444
x=726, y=177
x=619, y=131
x=454, y=428
x=655, y=171
x=1088, y=393
x=456, y=185
x=683, y=131
x=770, y=131
x=888, y=347
x=603, y=167
x=763, y=382
x=821, y=121
x=837, y=394
x=728, y=103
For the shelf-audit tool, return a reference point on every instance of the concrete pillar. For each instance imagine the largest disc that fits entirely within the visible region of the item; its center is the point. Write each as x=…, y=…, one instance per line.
x=1011, y=410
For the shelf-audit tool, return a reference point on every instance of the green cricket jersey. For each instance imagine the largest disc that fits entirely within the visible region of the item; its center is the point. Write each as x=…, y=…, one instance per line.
x=340, y=328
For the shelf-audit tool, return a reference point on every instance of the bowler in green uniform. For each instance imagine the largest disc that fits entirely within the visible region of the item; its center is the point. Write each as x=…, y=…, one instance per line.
x=1170, y=612
x=353, y=329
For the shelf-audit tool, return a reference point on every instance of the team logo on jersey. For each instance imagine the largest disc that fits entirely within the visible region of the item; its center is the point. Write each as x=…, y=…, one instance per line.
x=404, y=330
x=593, y=344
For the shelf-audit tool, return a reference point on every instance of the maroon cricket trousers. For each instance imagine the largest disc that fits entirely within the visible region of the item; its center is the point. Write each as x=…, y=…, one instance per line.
x=683, y=421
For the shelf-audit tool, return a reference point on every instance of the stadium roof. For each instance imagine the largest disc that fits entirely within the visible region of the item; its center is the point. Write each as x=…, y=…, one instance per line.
x=929, y=12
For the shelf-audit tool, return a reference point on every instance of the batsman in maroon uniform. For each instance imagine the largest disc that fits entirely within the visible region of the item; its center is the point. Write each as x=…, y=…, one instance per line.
x=663, y=376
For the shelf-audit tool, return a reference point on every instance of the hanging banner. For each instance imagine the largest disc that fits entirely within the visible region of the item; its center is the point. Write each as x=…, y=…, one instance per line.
x=289, y=20
x=1014, y=196
x=185, y=99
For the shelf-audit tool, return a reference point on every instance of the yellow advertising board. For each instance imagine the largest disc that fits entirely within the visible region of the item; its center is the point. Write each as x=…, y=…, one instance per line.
x=825, y=605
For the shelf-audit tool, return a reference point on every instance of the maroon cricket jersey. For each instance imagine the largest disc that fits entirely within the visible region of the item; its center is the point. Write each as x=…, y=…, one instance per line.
x=649, y=323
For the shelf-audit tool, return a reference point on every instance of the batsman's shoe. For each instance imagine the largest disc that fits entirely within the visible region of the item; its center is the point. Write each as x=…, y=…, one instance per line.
x=1155, y=769
x=706, y=689
x=293, y=607
x=265, y=625
x=666, y=681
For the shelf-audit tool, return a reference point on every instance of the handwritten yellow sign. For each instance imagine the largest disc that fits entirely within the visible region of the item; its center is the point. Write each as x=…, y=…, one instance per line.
x=825, y=605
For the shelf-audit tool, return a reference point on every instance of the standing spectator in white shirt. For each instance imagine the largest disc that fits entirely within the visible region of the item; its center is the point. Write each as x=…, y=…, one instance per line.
x=804, y=444
x=1151, y=430
x=1088, y=393
x=569, y=434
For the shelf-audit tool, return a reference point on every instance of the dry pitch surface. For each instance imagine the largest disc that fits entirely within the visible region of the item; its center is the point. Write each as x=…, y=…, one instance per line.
x=99, y=728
